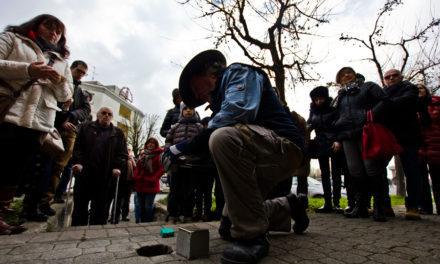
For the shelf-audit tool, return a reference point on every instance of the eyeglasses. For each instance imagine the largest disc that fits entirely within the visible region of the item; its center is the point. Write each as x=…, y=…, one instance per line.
x=82, y=72
x=106, y=113
x=391, y=75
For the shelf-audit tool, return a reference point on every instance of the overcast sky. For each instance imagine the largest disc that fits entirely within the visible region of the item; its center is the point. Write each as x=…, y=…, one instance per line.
x=144, y=44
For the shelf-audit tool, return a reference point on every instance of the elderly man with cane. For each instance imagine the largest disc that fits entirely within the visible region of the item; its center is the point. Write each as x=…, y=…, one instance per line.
x=99, y=157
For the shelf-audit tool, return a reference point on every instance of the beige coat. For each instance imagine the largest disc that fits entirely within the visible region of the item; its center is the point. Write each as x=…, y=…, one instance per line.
x=36, y=107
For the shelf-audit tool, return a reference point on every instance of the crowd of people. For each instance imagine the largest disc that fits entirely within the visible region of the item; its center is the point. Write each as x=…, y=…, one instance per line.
x=248, y=150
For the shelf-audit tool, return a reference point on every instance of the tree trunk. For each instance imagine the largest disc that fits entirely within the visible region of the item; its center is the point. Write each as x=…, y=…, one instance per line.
x=400, y=177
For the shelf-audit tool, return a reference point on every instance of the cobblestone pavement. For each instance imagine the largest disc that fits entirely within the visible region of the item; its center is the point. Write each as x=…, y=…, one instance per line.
x=330, y=239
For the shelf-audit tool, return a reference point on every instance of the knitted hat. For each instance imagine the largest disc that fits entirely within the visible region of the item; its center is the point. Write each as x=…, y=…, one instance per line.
x=320, y=91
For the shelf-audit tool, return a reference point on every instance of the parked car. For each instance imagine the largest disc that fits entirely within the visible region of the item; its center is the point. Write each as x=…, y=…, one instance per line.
x=315, y=187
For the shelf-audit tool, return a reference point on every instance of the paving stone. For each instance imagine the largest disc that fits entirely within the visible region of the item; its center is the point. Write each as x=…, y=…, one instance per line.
x=45, y=237
x=387, y=259
x=119, y=240
x=96, y=233
x=93, y=250
x=65, y=245
x=72, y=235
x=19, y=258
x=329, y=239
x=94, y=258
x=61, y=254
x=143, y=238
x=129, y=246
x=16, y=239
x=133, y=260
x=137, y=231
x=94, y=243
x=117, y=232
x=32, y=248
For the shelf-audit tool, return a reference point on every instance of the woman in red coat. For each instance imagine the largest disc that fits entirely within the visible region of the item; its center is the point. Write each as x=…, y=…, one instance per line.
x=429, y=153
x=146, y=178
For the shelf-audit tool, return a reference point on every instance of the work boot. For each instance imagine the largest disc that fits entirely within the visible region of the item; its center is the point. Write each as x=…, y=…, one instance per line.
x=246, y=251
x=412, y=214
x=298, y=212
x=6, y=196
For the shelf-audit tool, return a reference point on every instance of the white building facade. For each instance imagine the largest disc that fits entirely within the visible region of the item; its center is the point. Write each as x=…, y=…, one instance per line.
x=113, y=97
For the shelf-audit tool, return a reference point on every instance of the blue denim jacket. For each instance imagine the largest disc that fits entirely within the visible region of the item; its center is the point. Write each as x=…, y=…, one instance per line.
x=245, y=95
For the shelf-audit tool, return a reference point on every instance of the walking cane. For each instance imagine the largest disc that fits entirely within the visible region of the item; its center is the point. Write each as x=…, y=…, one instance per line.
x=115, y=202
x=67, y=199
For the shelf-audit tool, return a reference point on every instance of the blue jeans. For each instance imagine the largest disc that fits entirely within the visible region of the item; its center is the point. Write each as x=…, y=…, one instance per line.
x=146, y=206
x=137, y=215
x=410, y=164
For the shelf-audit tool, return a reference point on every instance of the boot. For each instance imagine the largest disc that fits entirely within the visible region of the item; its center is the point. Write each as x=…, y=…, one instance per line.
x=6, y=196
x=360, y=209
x=412, y=214
x=30, y=208
x=379, y=212
x=298, y=212
x=326, y=208
x=350, y=206
x=47, y=210
x=246, y=250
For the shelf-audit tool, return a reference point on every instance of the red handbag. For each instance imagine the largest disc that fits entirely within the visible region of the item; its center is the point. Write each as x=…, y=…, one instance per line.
x=378, y=141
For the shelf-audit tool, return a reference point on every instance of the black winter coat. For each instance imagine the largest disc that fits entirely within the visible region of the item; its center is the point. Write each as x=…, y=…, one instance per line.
x=170, y=119
x=352, y=106
x=116, y=154
x=322, y=119
x=79, y=110
x=401, y=115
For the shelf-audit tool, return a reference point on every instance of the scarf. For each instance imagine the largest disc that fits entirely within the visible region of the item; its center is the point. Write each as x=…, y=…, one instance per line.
x=42, y=43
x=146, y=161
x=348, y=88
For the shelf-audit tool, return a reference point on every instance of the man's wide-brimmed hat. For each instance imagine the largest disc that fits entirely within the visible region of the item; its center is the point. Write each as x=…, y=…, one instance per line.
x=195, y=66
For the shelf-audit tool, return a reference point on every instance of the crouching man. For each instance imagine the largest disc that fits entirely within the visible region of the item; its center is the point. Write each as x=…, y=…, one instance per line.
x=254, y=145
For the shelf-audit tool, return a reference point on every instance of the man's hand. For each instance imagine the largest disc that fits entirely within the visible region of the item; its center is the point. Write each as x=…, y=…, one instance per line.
x=116, y=173
x=68, y=126
x=336, y=146
x=77, y=168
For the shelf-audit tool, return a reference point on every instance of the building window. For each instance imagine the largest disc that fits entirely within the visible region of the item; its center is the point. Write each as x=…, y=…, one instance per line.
x=125, y=112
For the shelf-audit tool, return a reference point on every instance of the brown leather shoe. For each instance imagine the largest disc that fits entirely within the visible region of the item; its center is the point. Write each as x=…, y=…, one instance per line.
x=412, y=214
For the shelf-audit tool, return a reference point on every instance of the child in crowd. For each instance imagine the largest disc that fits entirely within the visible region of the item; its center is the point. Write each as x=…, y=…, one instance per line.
x=146, y=176
x=180, y=198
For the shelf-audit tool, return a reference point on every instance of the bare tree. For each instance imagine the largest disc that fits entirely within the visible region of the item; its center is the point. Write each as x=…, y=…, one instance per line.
x=135, y=132
x=275, y=35
x=416, y=55
x=151, y=123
